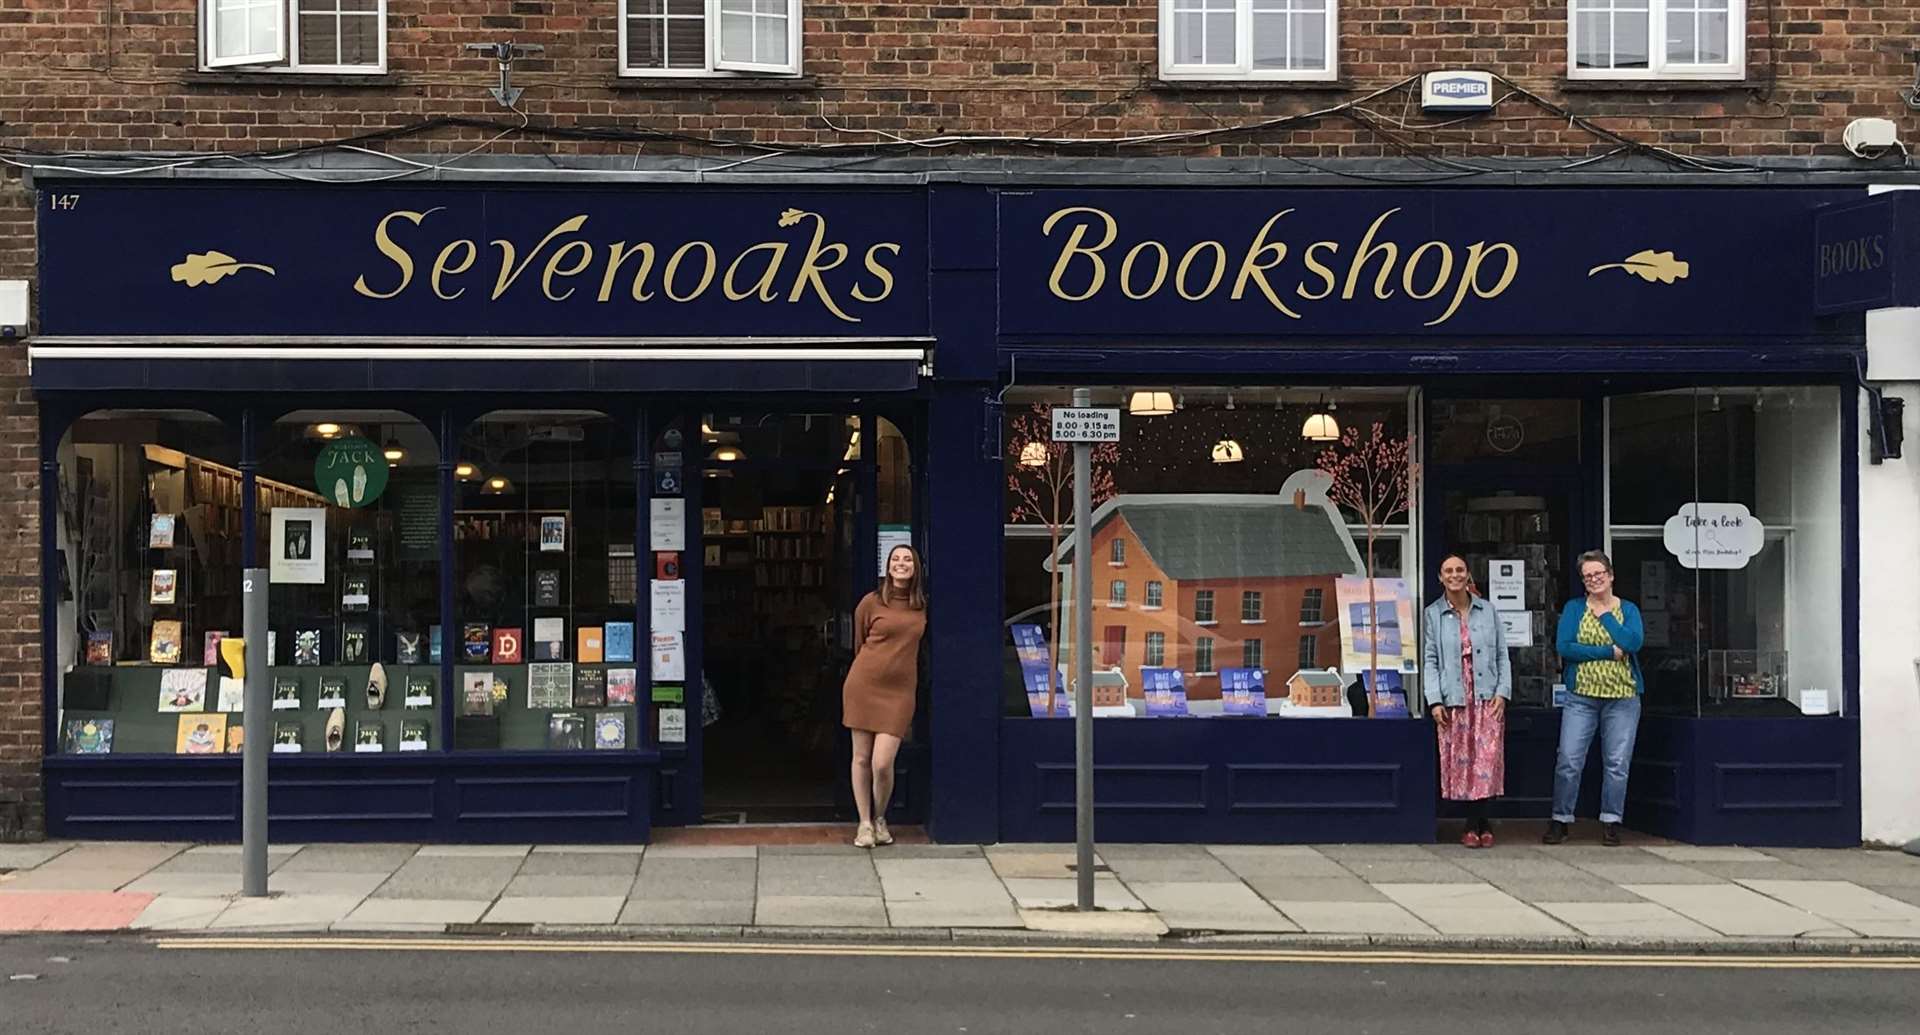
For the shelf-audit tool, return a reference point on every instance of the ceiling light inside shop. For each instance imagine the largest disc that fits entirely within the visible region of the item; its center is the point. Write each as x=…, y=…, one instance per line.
x=497, y=484
x=465, y=471
x=728, y=454
x=394, y=451
x=1034, y=455
x=1150, y=404
x=1228, y=451
x=326, y=429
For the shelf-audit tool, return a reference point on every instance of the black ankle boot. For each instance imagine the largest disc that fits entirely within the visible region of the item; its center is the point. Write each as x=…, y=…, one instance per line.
x=1556, y=833
x=1610, y=835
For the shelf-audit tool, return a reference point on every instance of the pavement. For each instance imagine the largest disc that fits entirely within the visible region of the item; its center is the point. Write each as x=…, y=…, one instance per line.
x=1653, y=896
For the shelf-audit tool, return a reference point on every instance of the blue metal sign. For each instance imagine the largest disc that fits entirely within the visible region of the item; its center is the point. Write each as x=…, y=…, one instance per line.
x=343, y=261
x=1866, y=254
x=1482, y=264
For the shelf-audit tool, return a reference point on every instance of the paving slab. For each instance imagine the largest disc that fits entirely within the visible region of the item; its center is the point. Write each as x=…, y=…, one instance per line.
x=1276, y=861
x=1653, y=872
x=907, y=851
x=1124, y=850
x=655, y=912
x=1708, y=853
x=1376, y=853
x=1498, y=864
x=204, y=885
x=1584, y=890
x=286, y=912
x=95, y=866
x=702, y=852
x=180, y=913
x=604, y=910
x=1094, y=924
x=542, y=886
x=1210, y=906
x=1389, y=871
x=1039, y=862
x=589, y=849
x=1909, y=895
x=1638, y=919
x=361, y=884
x=415, y=914
x=954, y=911
x=1346, y=888
x=843, y=850
x=1382, y=917
x=1471, y=909
x=1063, y=893
x=70, y=910
x=450, y=878
x=819, y=911
x=1742, y=912
x=814, y=876
x=1869, y=912
x=581, y=864
x=1857, y=867
x=26, y=857
x=1768, y=869
x=710, y=879
x=350, y=858
x=474, y=851
x=1186, y=869
x=893, y=871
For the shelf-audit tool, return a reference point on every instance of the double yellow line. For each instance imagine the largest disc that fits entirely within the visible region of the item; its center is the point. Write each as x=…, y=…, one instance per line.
x=1195, y=954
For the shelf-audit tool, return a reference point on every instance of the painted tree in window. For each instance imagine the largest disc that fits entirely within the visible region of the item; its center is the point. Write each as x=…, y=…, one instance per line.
x=1372, y=477
x=1040, y=484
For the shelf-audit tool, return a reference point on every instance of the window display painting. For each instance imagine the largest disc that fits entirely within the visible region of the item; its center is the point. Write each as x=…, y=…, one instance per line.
x=1166, y=692
x=164, y=585
x=160, y=532
x=1243, y=692
x=201, y=735
x=299, y=546
x=183, y=690
x=90, y=736
x=1376, y=623
x=553, y=534
x=164, y=646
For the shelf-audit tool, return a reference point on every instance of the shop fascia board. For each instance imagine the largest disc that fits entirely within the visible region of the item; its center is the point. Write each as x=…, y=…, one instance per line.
x=467, y=349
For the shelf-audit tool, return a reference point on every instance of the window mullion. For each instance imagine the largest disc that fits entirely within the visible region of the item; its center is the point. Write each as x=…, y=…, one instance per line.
x=1243, y=36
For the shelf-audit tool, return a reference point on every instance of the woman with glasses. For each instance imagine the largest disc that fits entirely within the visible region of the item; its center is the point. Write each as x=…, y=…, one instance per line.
x=1599, y=642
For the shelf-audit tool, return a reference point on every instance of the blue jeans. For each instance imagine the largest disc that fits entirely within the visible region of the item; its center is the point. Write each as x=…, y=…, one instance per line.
x=1617, y=719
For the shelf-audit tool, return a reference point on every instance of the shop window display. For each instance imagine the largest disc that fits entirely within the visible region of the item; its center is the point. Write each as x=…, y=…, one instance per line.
x=1238, y=506
x=1725, y=527
x=546, y=591
x=149, y=533
x=349, y=532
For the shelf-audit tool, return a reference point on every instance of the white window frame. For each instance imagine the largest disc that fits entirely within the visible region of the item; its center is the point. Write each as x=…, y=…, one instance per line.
x=1156, y=596
x=287, y=57
x=1213, y=608
x=1307, y=651
x=1156, y=650
x=715, y=66
x=1657, y=66
x=1253, y=653
x=1117, y=554
x=1259, y=602
x=1243, y=68
x=1318, y=596
x=1203, y=660
x=1117, y=593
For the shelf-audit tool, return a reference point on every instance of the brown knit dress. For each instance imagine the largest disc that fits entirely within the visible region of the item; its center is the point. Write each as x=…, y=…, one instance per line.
x=879, y=691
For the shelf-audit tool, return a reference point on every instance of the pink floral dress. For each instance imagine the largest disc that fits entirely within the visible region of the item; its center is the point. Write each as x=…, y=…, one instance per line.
x=1473, y=755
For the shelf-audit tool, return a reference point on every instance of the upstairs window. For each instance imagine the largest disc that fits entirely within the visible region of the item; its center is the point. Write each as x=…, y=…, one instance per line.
x=1248, y=39
x=709, y=37
x=1657, y=39
x=337, y=36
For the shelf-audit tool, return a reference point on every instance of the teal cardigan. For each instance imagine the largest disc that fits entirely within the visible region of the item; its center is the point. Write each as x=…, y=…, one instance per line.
x=1628, y=632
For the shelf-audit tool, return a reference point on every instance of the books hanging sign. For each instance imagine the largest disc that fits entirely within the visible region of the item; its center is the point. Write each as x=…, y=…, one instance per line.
x=1714, y=535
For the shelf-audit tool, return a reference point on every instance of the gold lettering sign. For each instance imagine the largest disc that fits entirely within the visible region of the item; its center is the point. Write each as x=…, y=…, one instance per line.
x=568, y=257
x=1374, y=267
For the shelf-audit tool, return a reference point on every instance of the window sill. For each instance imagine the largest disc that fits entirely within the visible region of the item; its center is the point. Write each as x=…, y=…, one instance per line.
x=280, y=78
x=1208, y=623
x=1658, y=85
x=1152, y=607
x=1253, y=621
x=1116, y=607
x=700, y=82
x=1251, y=85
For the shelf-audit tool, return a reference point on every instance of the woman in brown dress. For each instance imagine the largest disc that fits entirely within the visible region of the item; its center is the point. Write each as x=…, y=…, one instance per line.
x=876, y=702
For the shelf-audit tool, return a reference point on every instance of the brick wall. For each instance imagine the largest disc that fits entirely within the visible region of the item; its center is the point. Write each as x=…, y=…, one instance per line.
x=121, y=76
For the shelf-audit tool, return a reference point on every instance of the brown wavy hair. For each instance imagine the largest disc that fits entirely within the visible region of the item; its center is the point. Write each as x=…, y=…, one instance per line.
x=916, y=593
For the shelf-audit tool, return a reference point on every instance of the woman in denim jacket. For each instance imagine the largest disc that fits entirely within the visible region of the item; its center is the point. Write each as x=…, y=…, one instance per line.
x=1599, y=642
x=1467, y=681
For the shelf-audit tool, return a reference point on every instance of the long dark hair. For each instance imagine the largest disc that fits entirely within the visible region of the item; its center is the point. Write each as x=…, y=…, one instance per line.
x=916, y=592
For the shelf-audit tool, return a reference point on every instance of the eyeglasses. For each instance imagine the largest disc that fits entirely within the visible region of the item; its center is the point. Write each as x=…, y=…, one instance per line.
x=1594, y=576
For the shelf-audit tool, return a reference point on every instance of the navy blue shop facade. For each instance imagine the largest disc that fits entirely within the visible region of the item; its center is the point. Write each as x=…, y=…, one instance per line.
x=595, y=395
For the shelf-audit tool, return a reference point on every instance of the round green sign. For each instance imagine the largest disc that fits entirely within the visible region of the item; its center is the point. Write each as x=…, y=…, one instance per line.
x=351, y=472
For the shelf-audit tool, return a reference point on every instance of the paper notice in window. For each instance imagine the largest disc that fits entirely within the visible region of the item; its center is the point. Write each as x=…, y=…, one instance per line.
x=1517, y=627
x=667, y=524
x=1507, y=586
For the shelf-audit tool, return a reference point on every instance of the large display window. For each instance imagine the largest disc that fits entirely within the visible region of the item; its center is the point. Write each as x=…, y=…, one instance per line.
x=1725, y=527
x=1248, y=546
x=546, y=584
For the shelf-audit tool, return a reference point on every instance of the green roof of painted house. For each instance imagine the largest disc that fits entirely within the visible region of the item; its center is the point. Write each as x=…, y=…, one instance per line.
x=1317, y=677
x=1201, y=541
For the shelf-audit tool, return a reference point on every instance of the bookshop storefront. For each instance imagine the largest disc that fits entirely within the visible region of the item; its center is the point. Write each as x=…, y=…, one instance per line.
x=1324, y=393
x=523, y=466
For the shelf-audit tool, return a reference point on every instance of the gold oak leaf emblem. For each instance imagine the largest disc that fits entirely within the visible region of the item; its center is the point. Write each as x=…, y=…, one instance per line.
x=792, y=216
x=209, y=267
x=1650, y=266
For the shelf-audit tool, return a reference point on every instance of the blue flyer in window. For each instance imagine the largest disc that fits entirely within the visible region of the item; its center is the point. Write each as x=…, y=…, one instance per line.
x=1243, y=691
x=1386, y=694
x=1166, y=692
x=1030, y=647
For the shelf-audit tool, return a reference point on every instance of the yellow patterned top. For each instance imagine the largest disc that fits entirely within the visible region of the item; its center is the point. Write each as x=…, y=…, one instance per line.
x=1610, y=678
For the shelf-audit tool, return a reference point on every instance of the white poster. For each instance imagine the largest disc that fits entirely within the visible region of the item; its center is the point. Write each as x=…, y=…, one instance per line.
x=669, y=605
x=299, y=545
x=673, y=725
x=890, y=537
x=667, y=524
x=1507, y=585
x=1517, y=627
x=1653, y=585
x=1714, y=535
x=669, y=657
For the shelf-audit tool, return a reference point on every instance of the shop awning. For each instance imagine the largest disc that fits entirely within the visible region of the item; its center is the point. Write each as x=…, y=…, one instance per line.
x=223, y=364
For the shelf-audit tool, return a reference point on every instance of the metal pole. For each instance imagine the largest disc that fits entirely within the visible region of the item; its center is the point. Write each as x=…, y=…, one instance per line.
x=258, y=719
x=1083, y=658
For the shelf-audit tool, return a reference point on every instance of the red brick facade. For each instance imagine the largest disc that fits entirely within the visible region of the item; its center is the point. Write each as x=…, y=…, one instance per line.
x=121, y=76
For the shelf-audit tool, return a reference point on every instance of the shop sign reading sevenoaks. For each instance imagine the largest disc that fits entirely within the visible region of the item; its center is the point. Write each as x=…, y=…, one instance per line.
x=1095, y=262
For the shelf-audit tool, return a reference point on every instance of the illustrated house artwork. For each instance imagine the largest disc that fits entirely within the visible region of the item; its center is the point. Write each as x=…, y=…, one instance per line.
x=1207, y=581
x=1316, y=688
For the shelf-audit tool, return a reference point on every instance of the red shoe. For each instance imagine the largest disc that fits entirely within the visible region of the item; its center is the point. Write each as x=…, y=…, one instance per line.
x=1486, y=839
x=1470, y=839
